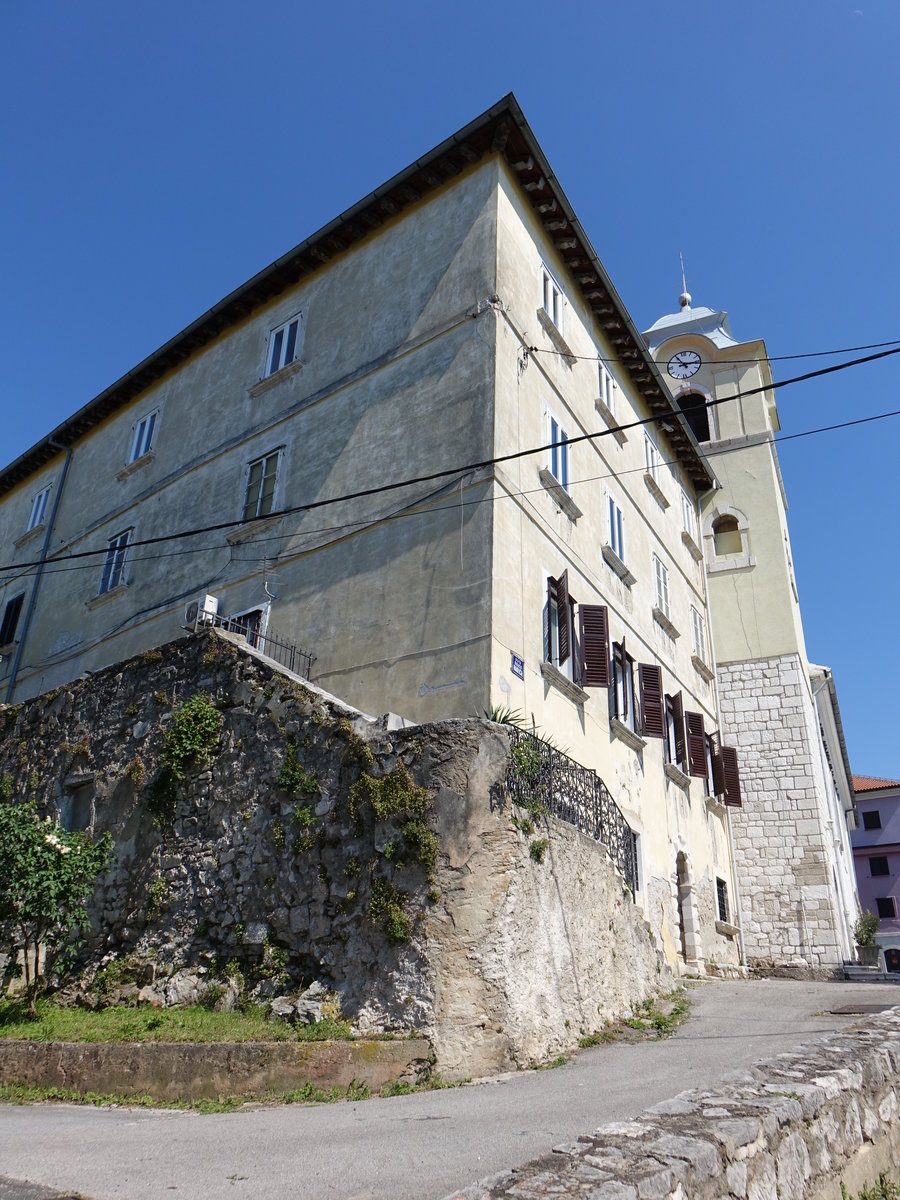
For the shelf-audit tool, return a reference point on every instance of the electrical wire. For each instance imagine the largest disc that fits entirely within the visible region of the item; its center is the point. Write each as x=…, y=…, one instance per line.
x=769, y=358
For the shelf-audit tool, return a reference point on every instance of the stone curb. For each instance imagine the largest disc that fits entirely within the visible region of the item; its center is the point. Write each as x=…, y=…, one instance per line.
x=207, y=1070
x=789, y=1128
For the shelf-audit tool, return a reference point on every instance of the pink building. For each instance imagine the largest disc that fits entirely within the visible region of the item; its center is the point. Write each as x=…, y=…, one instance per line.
x=876, y=857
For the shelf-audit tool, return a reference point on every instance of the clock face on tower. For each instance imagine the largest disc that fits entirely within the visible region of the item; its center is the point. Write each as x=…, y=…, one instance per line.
x=684, y=364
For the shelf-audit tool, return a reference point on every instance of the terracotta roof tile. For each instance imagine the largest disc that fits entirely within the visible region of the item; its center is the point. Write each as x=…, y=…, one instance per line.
x=868, y=783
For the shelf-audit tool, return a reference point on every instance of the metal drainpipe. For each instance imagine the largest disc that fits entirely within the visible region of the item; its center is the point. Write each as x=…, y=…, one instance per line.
x=712, y=651
x=20, y=648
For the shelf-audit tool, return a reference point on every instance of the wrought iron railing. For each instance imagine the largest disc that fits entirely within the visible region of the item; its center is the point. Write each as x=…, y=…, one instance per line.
x=539, y=776
x=268, y=643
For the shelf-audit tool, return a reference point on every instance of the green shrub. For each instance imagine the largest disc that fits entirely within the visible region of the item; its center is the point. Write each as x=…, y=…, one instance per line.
x=292, y=778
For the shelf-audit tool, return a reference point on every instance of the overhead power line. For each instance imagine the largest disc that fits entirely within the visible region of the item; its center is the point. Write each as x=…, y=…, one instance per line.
x=769, y=358
x=467, y=468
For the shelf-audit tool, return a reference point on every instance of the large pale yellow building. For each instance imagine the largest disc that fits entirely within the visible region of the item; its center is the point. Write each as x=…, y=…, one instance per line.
x=429, y=447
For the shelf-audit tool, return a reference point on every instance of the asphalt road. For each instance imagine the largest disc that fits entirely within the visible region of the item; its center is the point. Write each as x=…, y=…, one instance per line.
x=418, y=1147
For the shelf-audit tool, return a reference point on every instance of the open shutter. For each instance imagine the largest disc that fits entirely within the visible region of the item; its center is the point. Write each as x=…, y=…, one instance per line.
x=653, y=711
x=696, y=745
x=718, y=765
x=731, y=792
x=562, y=616
x=593, y=620
x=678, y=714
x=548, y=638
x=11, y=619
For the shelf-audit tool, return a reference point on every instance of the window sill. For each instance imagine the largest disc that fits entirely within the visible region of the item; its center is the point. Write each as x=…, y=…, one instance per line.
x=726, y=928
x=714, y=566
x=131, y=467
x=560, y=495
x=270, y=381
x=714, y=804
x=248, y=530
x=676, y=774
x=702, y=669
x=609, y=417
x=105, y=597
x=556, y=337
x=563, y=683
x=617, y=565
x=695, y=552
x=656, y=491
x=621, y=731
x=30, y=535
x=664, y=623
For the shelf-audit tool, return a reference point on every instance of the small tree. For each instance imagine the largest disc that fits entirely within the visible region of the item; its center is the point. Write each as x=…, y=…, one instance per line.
x=865, y=928
x=46, y=875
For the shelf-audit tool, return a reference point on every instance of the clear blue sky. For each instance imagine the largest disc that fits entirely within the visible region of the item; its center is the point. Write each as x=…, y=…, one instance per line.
x=157, y=155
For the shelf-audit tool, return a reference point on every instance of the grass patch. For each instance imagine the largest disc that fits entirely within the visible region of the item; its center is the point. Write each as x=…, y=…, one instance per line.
x=145, y=1024
x=652, y=1020
x=884, y=1189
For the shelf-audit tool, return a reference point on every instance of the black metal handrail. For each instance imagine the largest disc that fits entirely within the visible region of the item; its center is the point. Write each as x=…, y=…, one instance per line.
x=540, y=775
x=268, y=643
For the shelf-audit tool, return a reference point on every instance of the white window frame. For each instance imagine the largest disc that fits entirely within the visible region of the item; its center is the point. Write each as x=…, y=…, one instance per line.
x=557, y=455
x=661, y=583
x=113, y=574
x=281, y=348
x=698, y=635
x=553, y=300
x=623, y=692
x=39, y=508
x=652, y=459
x=553, y=619
x=688, y=516
x=608, y=388
x=615, y=526
x=262, y=460
x=142, y=440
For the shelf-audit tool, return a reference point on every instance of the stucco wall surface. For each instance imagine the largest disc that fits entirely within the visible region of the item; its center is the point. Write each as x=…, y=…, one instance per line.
x=792, y=1128
x=501, y=959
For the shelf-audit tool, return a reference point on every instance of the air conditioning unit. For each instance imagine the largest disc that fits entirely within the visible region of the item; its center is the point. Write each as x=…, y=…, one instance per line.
x=202, y=611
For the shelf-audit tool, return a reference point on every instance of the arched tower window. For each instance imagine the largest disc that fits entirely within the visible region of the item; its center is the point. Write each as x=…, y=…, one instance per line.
x=727, y=535
x=693, y=405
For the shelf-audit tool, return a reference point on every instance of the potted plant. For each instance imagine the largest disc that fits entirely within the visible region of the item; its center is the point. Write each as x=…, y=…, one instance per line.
x=867, y=949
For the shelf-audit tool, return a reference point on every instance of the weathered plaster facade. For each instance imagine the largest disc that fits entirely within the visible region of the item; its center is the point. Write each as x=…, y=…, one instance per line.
x=454, y=318
x=791, y=840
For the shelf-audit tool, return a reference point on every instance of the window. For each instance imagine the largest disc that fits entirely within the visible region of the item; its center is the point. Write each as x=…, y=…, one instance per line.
x=697, y=747
x=725, y=774
x=661, y=579
x=878, y=865
x=552, y=300
x=260, y=487
x=143, y=436
x=558, y=624
x=622, y=698
x=722, y=900
x=114, y=565
x=558, y=461
x=676, y=745
x=688, y=516
x=653, y=704
x=652, y=458
x=616, y=523
x=284, y=344
x=607, y=389
x=693, y=406
x=727, y=535
x=698, y=634
x=11, y=619
x=872, y=819
x=39, y=508
x=886, y=906
x=583, y=659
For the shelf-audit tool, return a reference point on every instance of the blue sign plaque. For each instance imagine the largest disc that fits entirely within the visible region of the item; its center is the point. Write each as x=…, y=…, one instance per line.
x=518, y=666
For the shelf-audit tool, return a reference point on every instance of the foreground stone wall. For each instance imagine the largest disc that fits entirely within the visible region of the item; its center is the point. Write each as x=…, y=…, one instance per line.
x=793, y=1128
x=781, y=844
x=390, y=867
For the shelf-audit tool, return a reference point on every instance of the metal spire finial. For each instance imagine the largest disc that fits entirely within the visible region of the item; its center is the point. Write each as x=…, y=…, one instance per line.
x=684, y=300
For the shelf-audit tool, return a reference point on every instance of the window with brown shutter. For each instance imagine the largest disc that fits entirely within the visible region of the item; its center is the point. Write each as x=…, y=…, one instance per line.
x=696, y=744
x=653, y=714
x=726, y=777
x=593, y=622
x=676, y=751
x=562, y=615
x=622, y=702
x=11, y=619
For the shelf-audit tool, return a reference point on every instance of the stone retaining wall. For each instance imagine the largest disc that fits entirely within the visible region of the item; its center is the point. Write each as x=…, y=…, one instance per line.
x=201, y=1071
x=792, y=1128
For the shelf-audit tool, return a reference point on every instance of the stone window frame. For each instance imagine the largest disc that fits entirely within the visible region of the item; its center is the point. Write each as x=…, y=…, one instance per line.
x=739, y=562
x=694, y=389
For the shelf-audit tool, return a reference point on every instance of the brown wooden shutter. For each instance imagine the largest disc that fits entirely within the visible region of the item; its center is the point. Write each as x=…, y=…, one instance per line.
x=696, y=744
x=653, y=710
x=718, y=765
x=678, y=714
x=593, y=620
x=551, y=600
x=562, y=616
x=731, y=792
